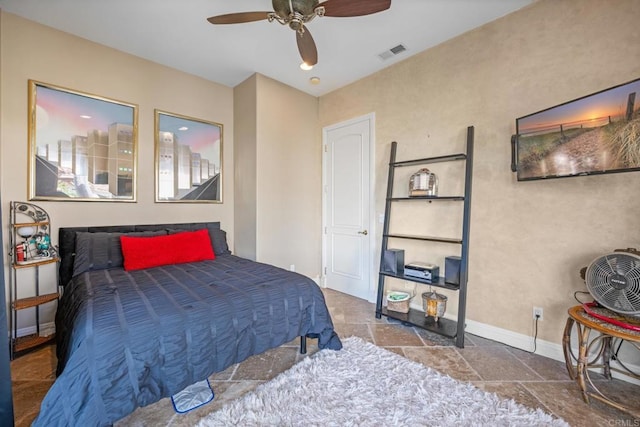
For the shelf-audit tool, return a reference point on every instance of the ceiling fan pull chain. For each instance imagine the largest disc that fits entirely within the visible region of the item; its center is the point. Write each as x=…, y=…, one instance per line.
x=291, y=11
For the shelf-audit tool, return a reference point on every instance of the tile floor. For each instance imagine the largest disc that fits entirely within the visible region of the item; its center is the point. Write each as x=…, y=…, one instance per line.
x=532, y=380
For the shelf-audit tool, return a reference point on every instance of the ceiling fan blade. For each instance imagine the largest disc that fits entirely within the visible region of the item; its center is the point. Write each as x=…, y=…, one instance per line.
x=307, y=47
x=346, y=8
x=238, y=18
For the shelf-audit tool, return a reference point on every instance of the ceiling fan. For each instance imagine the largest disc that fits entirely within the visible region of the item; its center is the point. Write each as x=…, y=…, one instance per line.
x=296, y=13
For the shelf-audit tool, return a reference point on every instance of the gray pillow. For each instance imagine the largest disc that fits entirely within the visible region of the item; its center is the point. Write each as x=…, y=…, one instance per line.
x=219, y=241
x=99, y=251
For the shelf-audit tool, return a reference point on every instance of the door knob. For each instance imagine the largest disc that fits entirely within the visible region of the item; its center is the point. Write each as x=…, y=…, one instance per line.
x=365, y=232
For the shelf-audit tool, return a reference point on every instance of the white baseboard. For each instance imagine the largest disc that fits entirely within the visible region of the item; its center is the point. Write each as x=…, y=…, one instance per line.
x=543, y=348
x=46, y=329
x=517, y=340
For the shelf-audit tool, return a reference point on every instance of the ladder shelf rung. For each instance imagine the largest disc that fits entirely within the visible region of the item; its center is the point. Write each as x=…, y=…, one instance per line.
x=429, y=198
x=445, y=327
x=426, y=160
x=440, y=283
x=425, y=238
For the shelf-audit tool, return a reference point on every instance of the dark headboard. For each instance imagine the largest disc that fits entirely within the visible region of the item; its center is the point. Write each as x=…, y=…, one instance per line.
x=67, y=240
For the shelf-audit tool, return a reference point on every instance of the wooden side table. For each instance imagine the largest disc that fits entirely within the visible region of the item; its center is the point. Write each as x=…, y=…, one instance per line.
x=595, y=352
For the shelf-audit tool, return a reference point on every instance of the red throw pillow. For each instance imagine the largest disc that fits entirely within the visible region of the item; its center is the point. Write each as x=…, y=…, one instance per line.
x=147, y=252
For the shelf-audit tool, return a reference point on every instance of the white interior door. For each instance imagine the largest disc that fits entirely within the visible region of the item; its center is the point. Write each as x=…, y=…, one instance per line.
x=347, y=207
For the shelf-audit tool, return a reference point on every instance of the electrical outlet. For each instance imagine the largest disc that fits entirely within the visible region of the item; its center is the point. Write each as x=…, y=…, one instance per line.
x=537, y=313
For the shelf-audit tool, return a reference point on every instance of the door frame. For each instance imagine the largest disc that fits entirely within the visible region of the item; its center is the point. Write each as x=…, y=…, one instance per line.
x=371, y=118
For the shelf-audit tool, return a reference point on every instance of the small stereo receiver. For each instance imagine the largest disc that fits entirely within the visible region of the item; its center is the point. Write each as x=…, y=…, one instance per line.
x=421, y=270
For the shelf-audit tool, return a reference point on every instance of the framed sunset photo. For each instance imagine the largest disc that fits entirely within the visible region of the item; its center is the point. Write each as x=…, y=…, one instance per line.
x=596, y=134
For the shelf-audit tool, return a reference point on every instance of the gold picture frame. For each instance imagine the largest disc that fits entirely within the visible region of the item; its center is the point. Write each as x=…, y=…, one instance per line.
x=188, y=159
x=82, y=147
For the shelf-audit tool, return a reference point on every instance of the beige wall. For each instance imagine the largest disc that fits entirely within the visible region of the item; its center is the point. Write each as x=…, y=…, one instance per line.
x=289, y=178
x=278, y=175
x=246, y=135
x=528, y=239
x=33, y=51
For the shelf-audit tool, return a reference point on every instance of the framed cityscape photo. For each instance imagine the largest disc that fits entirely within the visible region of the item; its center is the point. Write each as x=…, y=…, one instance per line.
x=81, y=147
x=188, y=159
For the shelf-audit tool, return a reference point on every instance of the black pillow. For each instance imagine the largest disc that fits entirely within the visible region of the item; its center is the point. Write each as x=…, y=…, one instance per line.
x=99, y=251
x=219, y=241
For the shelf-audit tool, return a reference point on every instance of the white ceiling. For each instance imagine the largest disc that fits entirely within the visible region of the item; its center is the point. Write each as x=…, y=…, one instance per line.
x=175, y=33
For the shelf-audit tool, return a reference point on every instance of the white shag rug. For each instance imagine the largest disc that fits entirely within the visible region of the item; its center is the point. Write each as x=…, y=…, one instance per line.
x=365, y=385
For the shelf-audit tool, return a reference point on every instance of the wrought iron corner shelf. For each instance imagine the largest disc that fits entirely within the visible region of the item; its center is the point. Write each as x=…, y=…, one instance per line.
x=35, y=250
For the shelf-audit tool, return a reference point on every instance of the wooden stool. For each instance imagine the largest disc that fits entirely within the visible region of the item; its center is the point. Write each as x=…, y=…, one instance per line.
x=589, y=358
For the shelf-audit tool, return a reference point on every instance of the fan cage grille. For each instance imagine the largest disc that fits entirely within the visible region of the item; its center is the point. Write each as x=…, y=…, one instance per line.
x=598, y=280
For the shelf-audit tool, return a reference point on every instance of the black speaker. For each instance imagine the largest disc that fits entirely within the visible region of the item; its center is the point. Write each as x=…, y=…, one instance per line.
x=452, y=270
x=393, y=261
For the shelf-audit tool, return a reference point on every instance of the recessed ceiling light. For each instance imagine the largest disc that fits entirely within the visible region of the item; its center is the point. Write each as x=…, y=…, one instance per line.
x=306, y=67
x=315, y=80
x=84, y=116
x=183, y=128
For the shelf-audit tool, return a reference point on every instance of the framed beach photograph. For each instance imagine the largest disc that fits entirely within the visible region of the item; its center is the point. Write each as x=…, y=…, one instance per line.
x=595, y=134
x=81, y=147
x=188, y=159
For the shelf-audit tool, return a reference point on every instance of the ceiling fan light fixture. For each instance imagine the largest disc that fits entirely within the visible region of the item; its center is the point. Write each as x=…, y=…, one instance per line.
x=306, y=67
x=297, y=13
x=296, y=25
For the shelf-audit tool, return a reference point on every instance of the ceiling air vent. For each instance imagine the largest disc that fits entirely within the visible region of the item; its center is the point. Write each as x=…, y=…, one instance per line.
x=392, y=52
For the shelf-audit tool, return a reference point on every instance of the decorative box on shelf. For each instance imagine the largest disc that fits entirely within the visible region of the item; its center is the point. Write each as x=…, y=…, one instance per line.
x=423, y=183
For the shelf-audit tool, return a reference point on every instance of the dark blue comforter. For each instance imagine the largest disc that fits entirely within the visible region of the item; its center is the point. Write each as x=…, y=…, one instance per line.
x=128, y=339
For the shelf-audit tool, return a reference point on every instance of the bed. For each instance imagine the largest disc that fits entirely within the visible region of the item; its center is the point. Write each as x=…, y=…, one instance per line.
x=128, y=337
